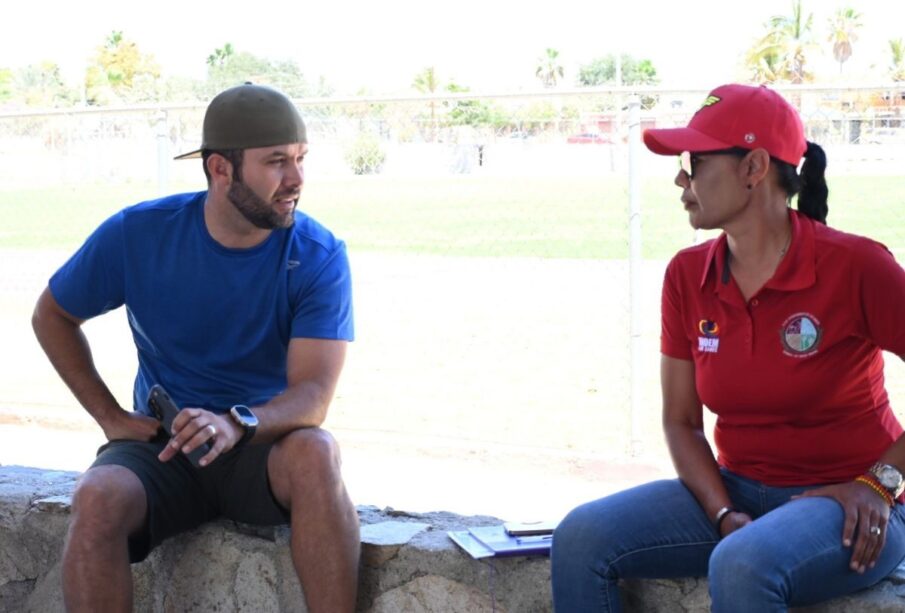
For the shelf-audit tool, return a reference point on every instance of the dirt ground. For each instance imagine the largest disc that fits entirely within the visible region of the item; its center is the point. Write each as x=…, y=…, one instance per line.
x=492, y=386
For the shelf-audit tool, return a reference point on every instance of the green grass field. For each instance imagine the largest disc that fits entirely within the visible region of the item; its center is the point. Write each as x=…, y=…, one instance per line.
x=464, y=216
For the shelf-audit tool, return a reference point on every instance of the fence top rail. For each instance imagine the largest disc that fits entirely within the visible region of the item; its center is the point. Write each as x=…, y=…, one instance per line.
x=625, y=90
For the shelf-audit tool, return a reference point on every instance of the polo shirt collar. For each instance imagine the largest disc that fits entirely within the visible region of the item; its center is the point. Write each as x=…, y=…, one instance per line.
x=797, y=270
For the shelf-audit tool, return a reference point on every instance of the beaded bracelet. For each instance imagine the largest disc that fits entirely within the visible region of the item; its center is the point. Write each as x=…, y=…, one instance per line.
x=879, y=489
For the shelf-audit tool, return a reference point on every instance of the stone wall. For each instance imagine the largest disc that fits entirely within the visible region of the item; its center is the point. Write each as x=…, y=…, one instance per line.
x=408, y=565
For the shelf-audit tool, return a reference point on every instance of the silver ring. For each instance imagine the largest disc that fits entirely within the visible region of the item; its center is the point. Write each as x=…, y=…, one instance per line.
x=875, y=530
x=213, y=430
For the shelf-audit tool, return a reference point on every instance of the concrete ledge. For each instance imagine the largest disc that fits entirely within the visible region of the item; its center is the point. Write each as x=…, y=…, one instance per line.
x=408, y=564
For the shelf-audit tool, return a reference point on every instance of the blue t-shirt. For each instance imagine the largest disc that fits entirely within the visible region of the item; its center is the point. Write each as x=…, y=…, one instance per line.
x=211, y=324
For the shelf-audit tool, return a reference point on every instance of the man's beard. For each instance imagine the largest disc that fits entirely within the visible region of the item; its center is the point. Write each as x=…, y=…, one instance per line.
x=255, y=209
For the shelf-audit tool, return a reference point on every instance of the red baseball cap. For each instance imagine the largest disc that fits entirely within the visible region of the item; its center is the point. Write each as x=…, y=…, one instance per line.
x=745, y=116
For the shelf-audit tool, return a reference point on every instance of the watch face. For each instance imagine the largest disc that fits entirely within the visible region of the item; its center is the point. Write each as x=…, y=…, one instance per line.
x=244, y=415
x=889, y=476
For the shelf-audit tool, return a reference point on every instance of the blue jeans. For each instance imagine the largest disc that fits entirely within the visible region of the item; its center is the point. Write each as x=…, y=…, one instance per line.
x=791, y=555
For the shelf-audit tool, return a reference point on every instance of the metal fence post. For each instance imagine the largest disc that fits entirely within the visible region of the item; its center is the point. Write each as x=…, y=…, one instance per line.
x=163, y=153
x=634, y=270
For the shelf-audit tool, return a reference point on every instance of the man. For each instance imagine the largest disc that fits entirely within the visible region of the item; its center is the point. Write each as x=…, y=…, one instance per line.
x=240, y=307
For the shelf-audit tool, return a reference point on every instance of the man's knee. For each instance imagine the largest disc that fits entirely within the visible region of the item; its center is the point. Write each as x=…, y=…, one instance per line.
x=108, y=500
x=307, y=451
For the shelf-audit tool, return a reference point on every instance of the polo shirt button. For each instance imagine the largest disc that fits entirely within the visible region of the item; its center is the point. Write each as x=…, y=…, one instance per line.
x=754, y=302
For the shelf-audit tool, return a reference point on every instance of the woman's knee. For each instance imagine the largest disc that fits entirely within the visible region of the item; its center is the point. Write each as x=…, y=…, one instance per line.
x=742, y=570
x=587, y=537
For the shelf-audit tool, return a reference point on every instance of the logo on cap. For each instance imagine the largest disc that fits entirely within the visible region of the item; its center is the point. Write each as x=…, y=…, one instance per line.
x=800, y=335
x=711, y=100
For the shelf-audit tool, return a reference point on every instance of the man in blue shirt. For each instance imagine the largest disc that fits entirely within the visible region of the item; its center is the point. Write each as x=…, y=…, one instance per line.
x=240, y=307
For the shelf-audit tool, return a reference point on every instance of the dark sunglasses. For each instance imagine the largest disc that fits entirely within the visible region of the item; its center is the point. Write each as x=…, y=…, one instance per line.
x=689, y=159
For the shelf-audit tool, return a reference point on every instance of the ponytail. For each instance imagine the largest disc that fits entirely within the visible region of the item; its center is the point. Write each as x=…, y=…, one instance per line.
x=810, y=185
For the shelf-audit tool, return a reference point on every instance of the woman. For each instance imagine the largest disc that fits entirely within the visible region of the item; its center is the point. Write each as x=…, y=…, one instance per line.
x=777, y=326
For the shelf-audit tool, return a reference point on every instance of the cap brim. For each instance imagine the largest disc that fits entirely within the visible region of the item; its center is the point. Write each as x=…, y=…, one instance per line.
x=189, y=156
x=673, y=141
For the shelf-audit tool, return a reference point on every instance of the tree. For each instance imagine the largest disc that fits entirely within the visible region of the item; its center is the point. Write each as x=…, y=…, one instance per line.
x=221, y=56
x=227, y=67
x=897, y=55
x=602, y=70
x=6, y=84
x=426, y=82
x=474, y=113
x=41, y=85
x=781, y=54
x=120, y=72
x=549, y=70
x=843, y=26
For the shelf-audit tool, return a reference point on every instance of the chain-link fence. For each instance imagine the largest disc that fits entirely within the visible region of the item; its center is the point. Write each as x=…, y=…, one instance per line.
x=489, y=237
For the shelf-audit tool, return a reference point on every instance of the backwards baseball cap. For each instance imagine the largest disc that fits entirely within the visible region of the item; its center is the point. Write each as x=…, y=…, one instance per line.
x=737, y=116
x=249, y=116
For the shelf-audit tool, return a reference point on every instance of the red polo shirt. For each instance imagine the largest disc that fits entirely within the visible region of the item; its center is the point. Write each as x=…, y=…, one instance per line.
x=795, y=375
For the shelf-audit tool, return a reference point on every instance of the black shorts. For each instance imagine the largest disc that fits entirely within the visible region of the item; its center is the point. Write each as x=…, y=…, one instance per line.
x=182, y=497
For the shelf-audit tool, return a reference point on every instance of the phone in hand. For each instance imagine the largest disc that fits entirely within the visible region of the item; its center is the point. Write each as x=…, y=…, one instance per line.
x=166, y=410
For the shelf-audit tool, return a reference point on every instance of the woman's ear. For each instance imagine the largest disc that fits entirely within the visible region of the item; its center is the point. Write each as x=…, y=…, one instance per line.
x=755, y=167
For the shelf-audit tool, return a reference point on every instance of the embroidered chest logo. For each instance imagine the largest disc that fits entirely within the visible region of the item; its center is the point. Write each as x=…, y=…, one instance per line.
x=709, y=341
x=800, y=335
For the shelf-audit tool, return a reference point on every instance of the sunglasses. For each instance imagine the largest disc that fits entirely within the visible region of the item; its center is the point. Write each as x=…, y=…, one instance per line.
x=688, y=160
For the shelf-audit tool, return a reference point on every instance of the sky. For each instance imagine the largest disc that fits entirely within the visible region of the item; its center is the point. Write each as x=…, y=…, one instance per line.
x=487, y=45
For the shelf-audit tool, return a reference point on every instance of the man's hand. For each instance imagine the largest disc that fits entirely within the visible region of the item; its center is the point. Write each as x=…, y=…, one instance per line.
x=130, y=425
x=864, y=510
x=193, y=427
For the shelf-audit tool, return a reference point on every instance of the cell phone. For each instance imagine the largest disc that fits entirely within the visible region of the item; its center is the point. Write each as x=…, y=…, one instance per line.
x=530, y=528
x=166, y=410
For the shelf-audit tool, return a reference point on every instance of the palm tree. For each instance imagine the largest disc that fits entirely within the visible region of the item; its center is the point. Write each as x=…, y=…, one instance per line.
x=549, y=68
x=897, y=67
x=843, y=26
x=782, y=52
x=220, y=56
x=426, y=82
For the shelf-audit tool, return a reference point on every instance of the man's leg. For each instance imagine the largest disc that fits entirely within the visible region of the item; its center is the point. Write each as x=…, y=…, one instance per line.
x=109, y=504
x=304, y=473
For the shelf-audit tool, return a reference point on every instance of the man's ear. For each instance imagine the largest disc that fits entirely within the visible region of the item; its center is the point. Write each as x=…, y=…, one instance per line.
x=220, y=168
x=755, y=165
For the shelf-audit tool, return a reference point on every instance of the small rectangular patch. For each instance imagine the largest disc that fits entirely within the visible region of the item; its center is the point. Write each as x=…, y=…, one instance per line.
x=708, y=345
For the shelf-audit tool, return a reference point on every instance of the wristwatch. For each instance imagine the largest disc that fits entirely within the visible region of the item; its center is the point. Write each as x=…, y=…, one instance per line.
x=889, y=477
x=243, y=416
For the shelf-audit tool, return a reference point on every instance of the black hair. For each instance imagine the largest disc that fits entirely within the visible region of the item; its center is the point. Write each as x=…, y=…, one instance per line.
x=810, y=185
x=233, y=156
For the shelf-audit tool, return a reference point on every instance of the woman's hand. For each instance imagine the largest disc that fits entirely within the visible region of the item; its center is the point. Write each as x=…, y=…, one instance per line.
x=733, y=521
x=866, y=516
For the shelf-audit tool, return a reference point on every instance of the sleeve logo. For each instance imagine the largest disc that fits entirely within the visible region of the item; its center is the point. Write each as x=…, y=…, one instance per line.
x=709, y=341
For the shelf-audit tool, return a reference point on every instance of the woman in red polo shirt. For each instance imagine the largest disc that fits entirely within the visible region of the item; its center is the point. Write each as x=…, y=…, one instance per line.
x=778, y=327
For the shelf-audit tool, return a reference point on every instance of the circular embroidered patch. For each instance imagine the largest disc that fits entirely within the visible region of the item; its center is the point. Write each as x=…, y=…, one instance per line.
x=800, y=335
x=708, y=328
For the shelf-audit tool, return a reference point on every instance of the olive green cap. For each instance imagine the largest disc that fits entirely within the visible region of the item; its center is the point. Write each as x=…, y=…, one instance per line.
x=249, y=116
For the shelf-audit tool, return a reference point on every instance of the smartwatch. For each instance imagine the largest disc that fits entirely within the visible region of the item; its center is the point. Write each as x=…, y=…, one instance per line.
x=243, y=416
